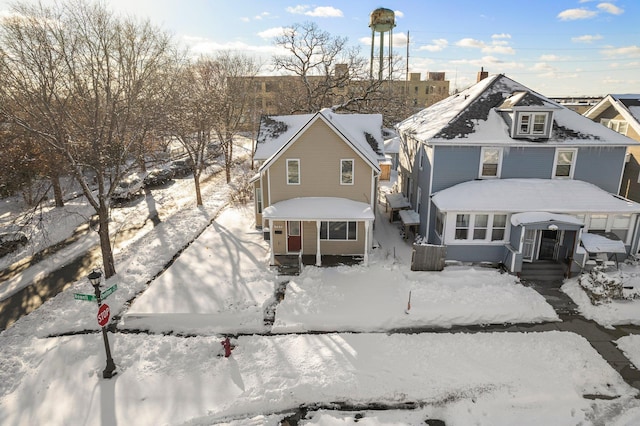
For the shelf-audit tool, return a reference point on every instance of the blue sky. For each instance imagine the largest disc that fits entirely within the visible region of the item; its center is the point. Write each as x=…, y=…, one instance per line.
x=556, y=47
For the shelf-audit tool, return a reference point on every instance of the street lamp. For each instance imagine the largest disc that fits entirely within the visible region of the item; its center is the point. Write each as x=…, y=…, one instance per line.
x=109, y=371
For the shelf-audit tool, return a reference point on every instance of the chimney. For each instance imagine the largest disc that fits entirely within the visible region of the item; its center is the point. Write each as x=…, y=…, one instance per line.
x=482, y=75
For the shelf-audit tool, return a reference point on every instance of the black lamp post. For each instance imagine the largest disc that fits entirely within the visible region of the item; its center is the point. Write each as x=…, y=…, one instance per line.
x=109, y=371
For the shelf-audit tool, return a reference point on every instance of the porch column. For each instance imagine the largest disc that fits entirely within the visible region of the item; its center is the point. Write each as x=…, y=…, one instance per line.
x=318, y=254
x=273, y=256
x=366, y=242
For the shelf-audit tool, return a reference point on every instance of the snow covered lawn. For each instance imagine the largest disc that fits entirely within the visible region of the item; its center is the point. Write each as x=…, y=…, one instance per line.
x=220, y=284
x=630, y=345
x=375, y=298
x=535, y=378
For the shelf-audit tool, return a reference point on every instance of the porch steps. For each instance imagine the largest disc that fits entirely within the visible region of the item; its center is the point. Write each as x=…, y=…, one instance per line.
x=543, y=271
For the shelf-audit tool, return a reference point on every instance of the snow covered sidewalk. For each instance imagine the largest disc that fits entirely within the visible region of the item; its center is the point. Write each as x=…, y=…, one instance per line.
x=501, y=378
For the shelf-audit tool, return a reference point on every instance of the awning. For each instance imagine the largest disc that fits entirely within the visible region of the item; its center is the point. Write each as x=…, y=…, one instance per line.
x=319, y=208
x=596, y=243
x=538, y=217
x=397, y=201
x=409, y=217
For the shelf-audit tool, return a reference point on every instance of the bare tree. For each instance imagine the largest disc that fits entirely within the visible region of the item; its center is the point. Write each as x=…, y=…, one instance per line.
x=79, y=79
x=216, y=104
x=330, y=73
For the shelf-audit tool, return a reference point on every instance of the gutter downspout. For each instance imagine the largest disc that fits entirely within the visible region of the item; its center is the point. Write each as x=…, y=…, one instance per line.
x=318, y=254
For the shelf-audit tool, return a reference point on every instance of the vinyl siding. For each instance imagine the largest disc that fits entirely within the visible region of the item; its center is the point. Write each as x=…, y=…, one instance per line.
x=320, y=150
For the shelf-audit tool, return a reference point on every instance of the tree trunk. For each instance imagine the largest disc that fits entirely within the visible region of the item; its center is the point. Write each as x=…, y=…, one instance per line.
x=196, y=180
x=57, y=190
x=227, y=168
x=105, y=242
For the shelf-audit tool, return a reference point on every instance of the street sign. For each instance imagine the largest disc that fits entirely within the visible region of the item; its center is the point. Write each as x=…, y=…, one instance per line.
x=103, y=315
x=108, y=291
x=87, y=297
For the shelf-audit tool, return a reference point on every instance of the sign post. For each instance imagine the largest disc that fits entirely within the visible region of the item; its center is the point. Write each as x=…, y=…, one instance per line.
x=103, y=316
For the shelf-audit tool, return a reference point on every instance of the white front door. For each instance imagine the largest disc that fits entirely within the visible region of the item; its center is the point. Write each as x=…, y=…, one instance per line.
x=529, y=245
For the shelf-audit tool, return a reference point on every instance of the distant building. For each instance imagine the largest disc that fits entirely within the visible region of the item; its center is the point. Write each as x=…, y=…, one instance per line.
x=578, y=104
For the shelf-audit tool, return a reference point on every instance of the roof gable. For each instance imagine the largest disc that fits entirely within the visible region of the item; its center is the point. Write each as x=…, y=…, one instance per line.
x=356, y=130
x=627, y=105
x=479, y=115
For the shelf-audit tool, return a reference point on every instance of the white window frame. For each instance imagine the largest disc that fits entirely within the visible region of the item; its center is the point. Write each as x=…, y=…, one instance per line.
x=572, y=166
x=490, y=227
x=296, y=161
x=353, y=166
x=531, y=118
x=258, y=200
x=326, y=235
x=482, y=163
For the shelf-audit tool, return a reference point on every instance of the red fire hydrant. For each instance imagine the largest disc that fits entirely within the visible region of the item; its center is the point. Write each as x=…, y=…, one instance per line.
x=226, y=343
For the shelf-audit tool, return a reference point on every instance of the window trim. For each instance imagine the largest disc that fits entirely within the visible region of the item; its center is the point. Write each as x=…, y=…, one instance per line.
x=450, y=236
x=297, y=161
x=531, y=123
x=482, y=163
x=421, y=157
x=258, y=200
x=353, y=166
x=327, y=234
x=572, y=167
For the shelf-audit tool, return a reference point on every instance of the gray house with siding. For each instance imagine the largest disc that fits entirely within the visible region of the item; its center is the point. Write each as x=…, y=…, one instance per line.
x=499, y=173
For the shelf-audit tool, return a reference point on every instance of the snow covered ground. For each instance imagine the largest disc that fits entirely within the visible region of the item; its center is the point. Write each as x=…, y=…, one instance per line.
x=221, y=284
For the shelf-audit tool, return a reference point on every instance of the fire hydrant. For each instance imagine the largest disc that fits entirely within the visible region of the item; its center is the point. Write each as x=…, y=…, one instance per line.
x=226, y=343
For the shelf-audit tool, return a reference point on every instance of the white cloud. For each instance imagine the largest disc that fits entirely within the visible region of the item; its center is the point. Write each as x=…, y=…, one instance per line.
x=398, y=14
x=574, y=14
x=436, y=46
x=505, y=50
x=317, y=12
x=497, y=46
x=610, y=8
x=629, y=51
x=245, y=19
x=470, y=42
x=500, y=36
x=203, y=46
x=489, y=60
x=550, y=58
x=587, y=38
x=271, y=32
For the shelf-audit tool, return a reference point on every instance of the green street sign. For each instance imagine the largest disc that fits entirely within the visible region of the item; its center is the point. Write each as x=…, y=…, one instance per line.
x=87, y=297
x=108, y=291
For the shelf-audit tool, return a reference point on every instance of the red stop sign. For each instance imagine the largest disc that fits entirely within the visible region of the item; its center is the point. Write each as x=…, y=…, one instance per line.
x=103, y=315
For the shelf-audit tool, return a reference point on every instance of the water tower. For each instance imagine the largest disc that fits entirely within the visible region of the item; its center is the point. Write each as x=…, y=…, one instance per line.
x=382, y=20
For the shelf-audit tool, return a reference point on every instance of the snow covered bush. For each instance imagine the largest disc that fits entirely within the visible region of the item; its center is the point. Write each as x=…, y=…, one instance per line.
x=600, y=287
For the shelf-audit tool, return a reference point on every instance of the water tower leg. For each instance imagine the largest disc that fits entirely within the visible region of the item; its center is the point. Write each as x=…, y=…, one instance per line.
x=381, y=55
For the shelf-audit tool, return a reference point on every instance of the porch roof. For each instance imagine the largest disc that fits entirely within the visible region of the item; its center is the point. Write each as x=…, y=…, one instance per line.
x=319, y=208
x=531, y=195
x=596, y=243
x=538, y=217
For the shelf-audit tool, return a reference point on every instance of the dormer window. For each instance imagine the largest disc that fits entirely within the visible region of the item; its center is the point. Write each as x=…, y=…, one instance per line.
x=532, y=124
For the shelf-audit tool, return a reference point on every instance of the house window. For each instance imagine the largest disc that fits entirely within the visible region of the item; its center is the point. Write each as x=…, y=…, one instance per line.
x=620, y=225
x=619, y=126
x=345, y=231
x=462, y=226
x=499, y=227
x=439, y=222
x=532, y=124
x=418, y=199
x=293, y=172
x=563, y=163
x=490, y=165
x=480, y=226
x=421, y=158
x=598, y=222
x=346, y=172
x=259, y=200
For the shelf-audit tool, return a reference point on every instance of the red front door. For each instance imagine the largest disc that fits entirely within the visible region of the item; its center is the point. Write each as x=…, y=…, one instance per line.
x=294, y=238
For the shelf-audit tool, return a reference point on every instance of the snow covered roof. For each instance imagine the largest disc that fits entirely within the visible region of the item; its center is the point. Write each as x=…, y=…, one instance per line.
x=531, y=195
x=319, y=208
x=392, y=146
x=627, y=105
x=538, y=217
x=595, y=243
x=363, y=131
x=478, y=115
